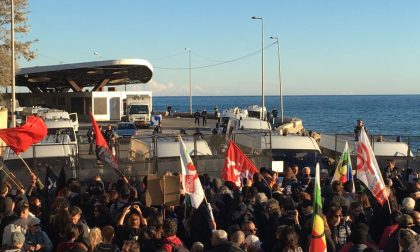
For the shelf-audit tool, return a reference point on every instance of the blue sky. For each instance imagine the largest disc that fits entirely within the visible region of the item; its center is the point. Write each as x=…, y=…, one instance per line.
x=327, y=47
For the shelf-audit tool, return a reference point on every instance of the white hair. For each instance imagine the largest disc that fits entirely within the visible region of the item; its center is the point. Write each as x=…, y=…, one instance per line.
x=220, y=234
x=261, y=198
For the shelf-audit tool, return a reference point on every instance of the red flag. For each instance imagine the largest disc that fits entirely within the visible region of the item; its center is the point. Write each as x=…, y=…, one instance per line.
x=20, y=138
x=237, y=165
x=102, y=150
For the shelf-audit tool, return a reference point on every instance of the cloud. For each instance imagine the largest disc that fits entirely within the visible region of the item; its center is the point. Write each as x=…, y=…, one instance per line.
x=171, y=89
x=160, y=89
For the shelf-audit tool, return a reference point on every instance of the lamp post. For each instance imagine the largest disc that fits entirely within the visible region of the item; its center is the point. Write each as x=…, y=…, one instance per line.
x=281, y=88
x=189, y=60
x=12, y=42
x=262, y=117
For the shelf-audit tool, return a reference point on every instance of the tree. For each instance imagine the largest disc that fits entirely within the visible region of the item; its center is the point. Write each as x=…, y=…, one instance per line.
x=21, y=27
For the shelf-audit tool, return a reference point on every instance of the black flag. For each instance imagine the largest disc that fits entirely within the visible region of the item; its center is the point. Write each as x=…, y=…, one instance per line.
x=50, y=185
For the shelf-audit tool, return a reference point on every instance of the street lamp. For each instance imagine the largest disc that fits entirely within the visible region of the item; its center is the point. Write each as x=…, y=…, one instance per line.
x=189, y=60
x=262, y=117
x=281, y=88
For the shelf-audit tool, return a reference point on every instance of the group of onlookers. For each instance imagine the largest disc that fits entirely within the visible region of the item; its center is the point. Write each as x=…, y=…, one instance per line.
x=271, y=212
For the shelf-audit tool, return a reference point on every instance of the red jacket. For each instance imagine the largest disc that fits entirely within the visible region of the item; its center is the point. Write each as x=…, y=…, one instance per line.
x=171, y=242
x=348, y=246
x=388, y=231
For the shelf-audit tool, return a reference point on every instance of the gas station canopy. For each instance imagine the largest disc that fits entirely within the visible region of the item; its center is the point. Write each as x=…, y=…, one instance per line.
x=76, y=76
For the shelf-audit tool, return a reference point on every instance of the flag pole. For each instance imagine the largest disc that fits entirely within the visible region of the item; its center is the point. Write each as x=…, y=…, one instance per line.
x=31, y=172
x=13, y=178
x=213, y=221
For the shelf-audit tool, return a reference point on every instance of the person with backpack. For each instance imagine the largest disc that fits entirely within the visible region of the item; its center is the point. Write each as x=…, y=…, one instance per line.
x=106, y=245
x=171, y=242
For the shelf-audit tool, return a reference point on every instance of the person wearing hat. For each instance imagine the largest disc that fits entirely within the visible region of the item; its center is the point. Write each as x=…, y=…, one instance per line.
x=35, y=238
x=17, y=242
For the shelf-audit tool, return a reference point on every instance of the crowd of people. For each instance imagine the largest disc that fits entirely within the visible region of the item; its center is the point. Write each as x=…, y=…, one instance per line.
x=272, y=212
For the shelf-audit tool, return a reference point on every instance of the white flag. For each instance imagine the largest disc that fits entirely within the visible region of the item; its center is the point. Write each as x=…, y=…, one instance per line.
x=190, y=181
x=368, y=169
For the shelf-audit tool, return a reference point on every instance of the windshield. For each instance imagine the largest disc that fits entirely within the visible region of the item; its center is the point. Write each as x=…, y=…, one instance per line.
x=59, y=131
x=126, y=126
x=254, y=114
x=138, y=109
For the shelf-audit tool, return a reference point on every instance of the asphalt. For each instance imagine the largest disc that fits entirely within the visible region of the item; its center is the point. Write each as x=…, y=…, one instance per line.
x=170, y=125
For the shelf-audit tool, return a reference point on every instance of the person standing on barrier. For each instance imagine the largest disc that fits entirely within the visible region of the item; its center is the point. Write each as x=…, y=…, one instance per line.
x=358, y=129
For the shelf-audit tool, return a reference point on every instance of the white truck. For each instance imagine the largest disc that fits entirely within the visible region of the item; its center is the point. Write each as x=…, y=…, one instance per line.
x=138, y=109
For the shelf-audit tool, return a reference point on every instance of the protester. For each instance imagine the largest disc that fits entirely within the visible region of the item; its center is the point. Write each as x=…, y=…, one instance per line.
x=36, y=239
x=256, y=212
x=170, y=241
x=17, y=242
x=95, y=237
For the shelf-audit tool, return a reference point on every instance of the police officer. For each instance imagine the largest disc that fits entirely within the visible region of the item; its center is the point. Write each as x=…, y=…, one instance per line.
x=204, y=116
x=197, y=117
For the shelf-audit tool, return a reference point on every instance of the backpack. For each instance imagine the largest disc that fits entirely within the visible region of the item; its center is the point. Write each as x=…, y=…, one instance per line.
x=102, y=247
x=175, y=247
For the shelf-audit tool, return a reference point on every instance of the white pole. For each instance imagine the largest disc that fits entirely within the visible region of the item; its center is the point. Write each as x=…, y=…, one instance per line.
x=281, y=88
x=262, y=115
x=12, y=41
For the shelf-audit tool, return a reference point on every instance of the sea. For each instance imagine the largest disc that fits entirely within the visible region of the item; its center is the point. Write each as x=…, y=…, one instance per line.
x=397, y=115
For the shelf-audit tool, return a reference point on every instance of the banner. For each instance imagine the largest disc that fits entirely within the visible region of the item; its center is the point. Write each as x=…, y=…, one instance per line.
x=237, y=165
x=190, y=181
x=103, y=153
x=368, y=169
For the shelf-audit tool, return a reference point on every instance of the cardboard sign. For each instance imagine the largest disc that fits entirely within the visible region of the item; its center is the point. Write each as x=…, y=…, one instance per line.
x=162, y=190
x=277, y=166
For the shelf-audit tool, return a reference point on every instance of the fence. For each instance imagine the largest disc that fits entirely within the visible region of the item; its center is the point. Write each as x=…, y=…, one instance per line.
x=160, y=154
x=405, y=150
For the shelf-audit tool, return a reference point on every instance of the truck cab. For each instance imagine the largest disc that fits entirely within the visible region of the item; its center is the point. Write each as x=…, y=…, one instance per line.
x=138, y=109
x=56, y=114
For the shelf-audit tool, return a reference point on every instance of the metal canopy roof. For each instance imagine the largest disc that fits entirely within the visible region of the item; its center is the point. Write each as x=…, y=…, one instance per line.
x=96, y=74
